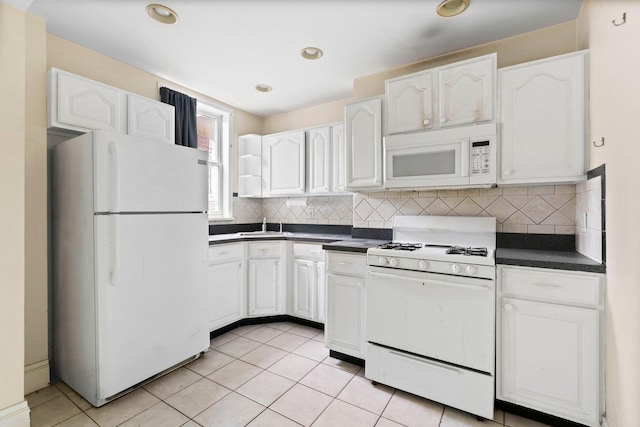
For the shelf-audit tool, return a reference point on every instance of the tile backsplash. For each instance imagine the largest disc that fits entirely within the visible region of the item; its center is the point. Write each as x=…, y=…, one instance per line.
x=549, y=209
x=589, y=218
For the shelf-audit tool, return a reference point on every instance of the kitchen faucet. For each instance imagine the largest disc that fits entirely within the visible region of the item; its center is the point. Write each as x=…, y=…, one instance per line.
x=264, y=224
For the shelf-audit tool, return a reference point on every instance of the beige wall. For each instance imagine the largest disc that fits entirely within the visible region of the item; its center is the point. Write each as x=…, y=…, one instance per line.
x=16, y=29
x=36, y=304
x=305, y=117
x=615, y=108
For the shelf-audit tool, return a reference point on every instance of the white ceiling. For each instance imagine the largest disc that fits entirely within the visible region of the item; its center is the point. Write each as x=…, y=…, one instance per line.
x=223, y=48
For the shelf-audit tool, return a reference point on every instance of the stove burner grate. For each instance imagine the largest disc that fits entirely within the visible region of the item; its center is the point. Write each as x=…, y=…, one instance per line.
x=460, y=250
x=401, y=246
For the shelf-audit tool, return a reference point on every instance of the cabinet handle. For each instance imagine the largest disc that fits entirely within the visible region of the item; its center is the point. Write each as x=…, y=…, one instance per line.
x=443, y=119
x=426, y=122
x=506, y=172
x=344, y=263
x=547, y=285
x=264, y=250
x=508, y=307
x=223, y=253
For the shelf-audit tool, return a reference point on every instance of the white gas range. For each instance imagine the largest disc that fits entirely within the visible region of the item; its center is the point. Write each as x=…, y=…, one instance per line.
x=430, y=304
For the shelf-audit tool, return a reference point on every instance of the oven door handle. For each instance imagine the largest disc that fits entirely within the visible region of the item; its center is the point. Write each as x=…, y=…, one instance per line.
x=478, y=286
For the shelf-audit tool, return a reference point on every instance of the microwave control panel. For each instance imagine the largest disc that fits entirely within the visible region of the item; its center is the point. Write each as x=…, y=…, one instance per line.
x=480, y=157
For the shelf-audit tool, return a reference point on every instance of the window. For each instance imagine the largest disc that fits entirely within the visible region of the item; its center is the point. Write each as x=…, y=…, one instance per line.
x=214, y=138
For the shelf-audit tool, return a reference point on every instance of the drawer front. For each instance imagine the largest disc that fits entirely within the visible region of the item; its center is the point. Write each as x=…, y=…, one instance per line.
x=265, y=250
x=219, y=254
x=552, y=285
x=308, y=251
x=467, y=390
x=346, y=263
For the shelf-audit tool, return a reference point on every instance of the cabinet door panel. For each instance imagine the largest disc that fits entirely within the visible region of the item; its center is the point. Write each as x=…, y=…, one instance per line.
x=303, y=288
x=87, y=104
x=150, y=119
x=363, y=141
x=543, y=121
x=410, y=103
x=338, y=157
x=264, y=287
x=346, y=315
x=320, y=160
x=466, y=91
x=321, y=291
x=285, y=163
x=226, y=300
x=549, y=358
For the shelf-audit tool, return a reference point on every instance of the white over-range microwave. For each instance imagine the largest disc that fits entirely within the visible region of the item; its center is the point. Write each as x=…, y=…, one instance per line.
x=451, y=158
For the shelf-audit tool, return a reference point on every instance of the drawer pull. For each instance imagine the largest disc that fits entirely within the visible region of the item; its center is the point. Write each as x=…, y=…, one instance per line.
x=345, y=263
x=223, y=253
x=508, y=307
x=425, y=361
x=547, y=285
x=264, y=250
x=317, y=252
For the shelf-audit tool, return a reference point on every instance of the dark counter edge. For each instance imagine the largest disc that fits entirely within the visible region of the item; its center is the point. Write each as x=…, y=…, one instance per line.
x=588, y=268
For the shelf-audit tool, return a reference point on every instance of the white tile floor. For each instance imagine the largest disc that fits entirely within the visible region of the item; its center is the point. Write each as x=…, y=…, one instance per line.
x=272, y=375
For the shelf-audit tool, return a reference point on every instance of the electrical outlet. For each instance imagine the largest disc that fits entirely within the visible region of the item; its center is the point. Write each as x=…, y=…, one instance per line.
x=310, y=212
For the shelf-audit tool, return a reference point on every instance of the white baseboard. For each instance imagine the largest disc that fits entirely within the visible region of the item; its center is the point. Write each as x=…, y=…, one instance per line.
x=16, y=415
x=36, y=376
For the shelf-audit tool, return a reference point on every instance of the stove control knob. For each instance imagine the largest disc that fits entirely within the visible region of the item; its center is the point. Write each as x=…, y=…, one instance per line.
x=382, y=261
x=393, y=262
x=422, y=265
x=471, y=269
x=455, y=268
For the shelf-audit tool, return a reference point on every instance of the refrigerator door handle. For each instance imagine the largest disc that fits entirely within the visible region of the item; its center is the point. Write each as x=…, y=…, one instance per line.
x=115, y=253
x=115, y=177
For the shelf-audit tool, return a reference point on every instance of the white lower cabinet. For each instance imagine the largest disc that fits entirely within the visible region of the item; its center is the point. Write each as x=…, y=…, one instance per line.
x=549, y=341
x=345, y=324
x=307, y=284
x=226, y=296
x=266, y=279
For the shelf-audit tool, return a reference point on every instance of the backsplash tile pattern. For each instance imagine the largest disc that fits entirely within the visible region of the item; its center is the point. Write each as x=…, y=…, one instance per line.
x=589, y=229
x=335, y=210
x=548, y=209
x=246, y=211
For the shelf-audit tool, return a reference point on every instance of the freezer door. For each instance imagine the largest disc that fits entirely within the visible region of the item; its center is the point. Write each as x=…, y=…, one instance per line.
x=151, y=286
x=139, y=175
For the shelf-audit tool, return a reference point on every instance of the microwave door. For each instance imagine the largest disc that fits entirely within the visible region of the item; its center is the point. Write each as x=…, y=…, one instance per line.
x=428, y=165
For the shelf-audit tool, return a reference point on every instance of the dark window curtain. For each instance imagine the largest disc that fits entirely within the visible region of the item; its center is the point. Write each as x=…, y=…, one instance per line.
x=186, y=110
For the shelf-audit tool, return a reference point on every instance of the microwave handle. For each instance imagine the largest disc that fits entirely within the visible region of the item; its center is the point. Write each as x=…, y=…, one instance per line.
x=464, y=164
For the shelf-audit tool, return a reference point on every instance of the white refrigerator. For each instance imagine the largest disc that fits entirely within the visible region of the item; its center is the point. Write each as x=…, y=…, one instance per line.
x=130, y=239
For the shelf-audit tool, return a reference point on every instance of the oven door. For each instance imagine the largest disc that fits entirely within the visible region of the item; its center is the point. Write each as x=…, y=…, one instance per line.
x=442, y=317
x=411, y=162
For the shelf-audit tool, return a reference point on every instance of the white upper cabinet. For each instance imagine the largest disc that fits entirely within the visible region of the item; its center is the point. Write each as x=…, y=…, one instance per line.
x=285, y=163
x=544, y=114
x=466, y=91
x=319, y=165
x=80, y=104
x=410, y=102
x=338, y=158
x=363, y=144
x=150, y=119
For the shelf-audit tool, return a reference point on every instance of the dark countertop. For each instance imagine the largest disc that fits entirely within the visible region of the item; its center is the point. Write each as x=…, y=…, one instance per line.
x=217, y=239
x=353, y=245
x=563, y=260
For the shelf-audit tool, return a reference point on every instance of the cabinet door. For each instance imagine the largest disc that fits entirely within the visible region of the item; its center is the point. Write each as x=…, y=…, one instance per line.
x=548, y=359
x=321, y=292
x=285, y=159
x=346, y=315
x=363, y=142
x=338, y=162
x=226, y=298
x=466, y=91
x=320, y=160
x=83, y=104
x=543, y=109
x=304, y=297
x=265, y=290
x=410, y=103
x=150, y=119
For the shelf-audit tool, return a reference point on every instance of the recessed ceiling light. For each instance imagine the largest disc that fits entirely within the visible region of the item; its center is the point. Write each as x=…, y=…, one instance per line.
x=263, y=88
x=162, y=14
x=311, y=52
x=450, y=8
